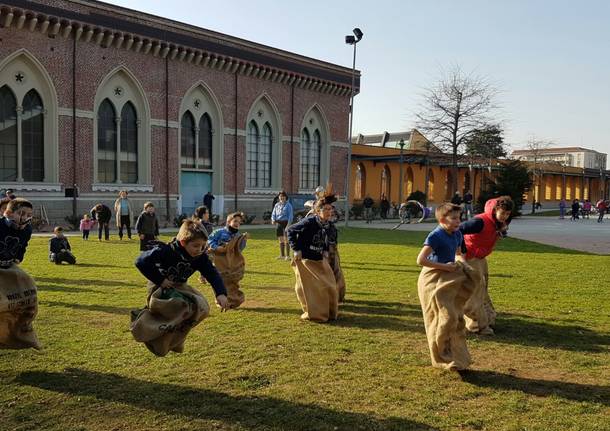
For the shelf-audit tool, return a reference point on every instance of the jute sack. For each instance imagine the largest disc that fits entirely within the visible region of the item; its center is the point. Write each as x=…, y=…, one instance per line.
x=479, y=311
x=231, y=265
x=316, y=290
x=335, y=263
x=442, y=295
x=18, y=308
x=169, y=316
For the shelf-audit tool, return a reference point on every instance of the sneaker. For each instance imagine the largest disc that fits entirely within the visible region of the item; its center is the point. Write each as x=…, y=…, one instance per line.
x=280, y=258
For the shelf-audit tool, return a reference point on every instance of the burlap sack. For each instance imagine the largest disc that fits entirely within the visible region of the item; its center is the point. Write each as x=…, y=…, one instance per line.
x=479, y=312
x=442, y=295
x=335, y=263
x=168, y=318
x=316, y=290
x=18, y=308
x=231, y=265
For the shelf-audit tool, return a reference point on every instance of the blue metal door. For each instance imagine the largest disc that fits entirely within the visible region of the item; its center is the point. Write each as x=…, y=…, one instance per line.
x=193, y=185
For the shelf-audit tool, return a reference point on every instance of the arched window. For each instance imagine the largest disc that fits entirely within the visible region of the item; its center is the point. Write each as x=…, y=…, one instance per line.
x=129, y=144
x=360, y=186
x=430, y=185
x=265, y=157
x=187, y=141
x=305, y=147
x=258, y=156
x=204, y=160
x=8, y=135
x=386, y=182
x=314, y=159
x=106, y=143
x=409, y=182
x=32, y=129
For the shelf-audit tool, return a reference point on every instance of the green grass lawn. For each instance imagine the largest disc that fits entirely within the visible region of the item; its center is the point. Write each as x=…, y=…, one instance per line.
x=261, y=368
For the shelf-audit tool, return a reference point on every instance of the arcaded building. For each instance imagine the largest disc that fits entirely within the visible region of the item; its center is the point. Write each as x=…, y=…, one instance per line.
x=95, y=99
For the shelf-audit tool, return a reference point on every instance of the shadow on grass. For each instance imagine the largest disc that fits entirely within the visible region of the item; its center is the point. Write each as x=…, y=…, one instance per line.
x=101, y=265
x=272, y=274
x=60, y=288
x=275, y=288
x=381, y=269
x=380, y=308
x=541, y=388
x=249, y=412
x=82, y=282
x=103, y=308
x=517, y=329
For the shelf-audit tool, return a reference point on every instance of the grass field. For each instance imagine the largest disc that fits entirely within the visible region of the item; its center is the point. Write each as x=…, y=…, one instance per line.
x=261, y=368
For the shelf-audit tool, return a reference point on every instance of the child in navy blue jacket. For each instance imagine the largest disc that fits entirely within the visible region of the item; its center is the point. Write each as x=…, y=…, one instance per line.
x=59, y=248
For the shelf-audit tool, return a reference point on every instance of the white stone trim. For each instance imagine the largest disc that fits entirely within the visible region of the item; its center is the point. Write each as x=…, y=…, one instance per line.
x=118, y=187
x=261, y=192
x=80, y=113
x=161, y=123
x=231, y=132
x=33, y=187
x=339, y=144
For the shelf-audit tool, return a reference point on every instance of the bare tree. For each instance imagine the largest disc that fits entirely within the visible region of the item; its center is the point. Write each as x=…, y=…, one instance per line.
x=454, y=109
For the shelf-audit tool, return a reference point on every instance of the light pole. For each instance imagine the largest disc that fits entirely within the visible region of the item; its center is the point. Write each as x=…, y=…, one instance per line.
x=402, y=145
x=351, y=40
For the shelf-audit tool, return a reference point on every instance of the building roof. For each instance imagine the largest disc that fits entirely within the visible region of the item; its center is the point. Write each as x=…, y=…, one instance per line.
x=554, y=150
x=106, y=24
x=382, y=139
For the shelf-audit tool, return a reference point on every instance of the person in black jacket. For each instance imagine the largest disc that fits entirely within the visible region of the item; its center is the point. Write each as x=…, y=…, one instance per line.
x=101, y=213
x=147, y=226
x=59, y=248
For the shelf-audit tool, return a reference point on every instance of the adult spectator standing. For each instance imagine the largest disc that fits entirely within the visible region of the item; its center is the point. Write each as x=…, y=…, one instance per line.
x=384, y=205
x=102, y=214
x=562, y=209
x=207, y=200
x=123, y=214
x=368, y=203
x=602, y=207
x=468, y=211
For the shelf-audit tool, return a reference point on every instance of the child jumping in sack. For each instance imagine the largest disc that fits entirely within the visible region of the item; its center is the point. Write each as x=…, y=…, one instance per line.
x=225, y=247
x=59, y=248
x=174, y=307
x=444, y=286
x=18, y=293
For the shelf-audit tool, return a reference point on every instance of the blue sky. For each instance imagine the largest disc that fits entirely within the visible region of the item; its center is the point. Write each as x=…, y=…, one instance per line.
x=550, y=59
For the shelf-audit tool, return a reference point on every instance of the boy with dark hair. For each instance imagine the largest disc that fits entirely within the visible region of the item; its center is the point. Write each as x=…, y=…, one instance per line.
x=147, y=226
x=174, y=307
x=102, y=215
x=18, y=293
x=444, y=286
x=59, y=248
x=202, y=215
x=480, y=236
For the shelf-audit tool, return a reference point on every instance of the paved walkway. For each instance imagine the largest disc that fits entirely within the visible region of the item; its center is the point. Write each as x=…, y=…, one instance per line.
x=584, y=235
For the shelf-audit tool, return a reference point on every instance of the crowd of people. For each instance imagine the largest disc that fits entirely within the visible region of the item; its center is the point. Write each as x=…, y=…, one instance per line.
x=584, y=209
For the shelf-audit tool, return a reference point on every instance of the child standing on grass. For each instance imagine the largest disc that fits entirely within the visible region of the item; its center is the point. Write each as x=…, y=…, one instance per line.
x=281, y=216
x=174, y=307
x=86, y=224
x=147, y=226
x=18, y=293
x=202, y=215
x=444, y=286
x=59, y=248
x=480, y=236
x=225, y=247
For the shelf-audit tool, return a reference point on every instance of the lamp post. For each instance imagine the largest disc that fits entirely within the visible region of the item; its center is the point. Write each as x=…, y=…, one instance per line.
x=351, y=40
x=400, y=180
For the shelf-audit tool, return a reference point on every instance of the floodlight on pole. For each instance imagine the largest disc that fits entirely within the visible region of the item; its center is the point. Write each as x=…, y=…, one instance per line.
x=351, y=40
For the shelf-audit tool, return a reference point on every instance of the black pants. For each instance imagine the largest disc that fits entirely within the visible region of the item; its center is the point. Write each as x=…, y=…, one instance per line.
x=125, y=222
x=63, y=256
x=145, y=243
x=601, y=216
x=103, y=226
x=85, y=234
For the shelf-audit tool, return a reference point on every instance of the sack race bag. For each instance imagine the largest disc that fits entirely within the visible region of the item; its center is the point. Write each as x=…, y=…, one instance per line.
x=18, y=308
x=335, y=263
x=442, y=295
x=231, y=265
x=169, y=316
x=479, y=312
x=316, y=290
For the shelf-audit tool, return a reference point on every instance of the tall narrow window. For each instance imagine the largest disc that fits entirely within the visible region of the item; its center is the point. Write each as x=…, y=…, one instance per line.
x=8, y=135
x=106, y=143
x=360, y=186
x=385, y=182
x=129, y=144
x=252, y=155
x=305, y=149
x=205, y=143
x=32, y=129
x=265, y=156
x=187, y=141
x=314, y=160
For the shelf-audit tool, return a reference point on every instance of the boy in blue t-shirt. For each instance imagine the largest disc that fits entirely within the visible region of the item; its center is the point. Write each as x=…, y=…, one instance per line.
x=443, y=287
x=443, y=243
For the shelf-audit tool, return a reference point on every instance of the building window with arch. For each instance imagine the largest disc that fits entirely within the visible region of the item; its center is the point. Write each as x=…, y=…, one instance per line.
x=386, y=182
x=195, y=142
x=258, y=156
x=188, y=138
x=204, y=141
x=360, y=186
x=21, y=137
x=117, y=144
x=310, y=159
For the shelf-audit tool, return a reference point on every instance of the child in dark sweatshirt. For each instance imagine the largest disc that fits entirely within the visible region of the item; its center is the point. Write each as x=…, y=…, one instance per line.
x=59, y=248
x=147, y=226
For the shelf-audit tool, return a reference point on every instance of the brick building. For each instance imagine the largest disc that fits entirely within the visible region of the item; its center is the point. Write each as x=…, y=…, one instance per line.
x=98, y=98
